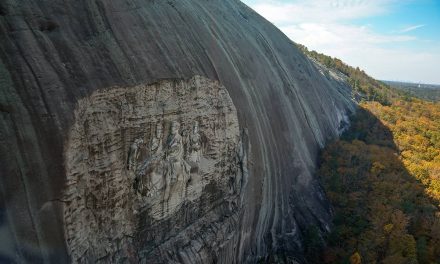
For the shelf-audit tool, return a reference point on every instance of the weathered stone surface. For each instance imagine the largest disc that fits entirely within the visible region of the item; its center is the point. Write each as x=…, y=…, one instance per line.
x=56, y=55
x=121, y=196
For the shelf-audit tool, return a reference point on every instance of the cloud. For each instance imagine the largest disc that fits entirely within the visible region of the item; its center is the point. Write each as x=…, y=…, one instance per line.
x=319, y=10
x=411, y=28
x=378, y=54
x=321, y=24
x=320, y=35
x=327, y=26
x=397, y=64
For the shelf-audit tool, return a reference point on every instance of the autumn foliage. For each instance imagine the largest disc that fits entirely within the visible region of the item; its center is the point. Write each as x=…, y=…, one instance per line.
x=383, y=180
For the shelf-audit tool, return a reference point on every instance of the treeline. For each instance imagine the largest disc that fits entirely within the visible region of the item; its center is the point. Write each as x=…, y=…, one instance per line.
x=382, y=178
x=429, y=92
x=368, y=88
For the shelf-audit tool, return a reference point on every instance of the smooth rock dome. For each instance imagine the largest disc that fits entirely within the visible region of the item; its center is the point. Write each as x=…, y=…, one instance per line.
x=179, y=131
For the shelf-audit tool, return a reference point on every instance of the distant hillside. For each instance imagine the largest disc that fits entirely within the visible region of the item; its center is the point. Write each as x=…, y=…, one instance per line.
x=430, y=92
x=368, y=88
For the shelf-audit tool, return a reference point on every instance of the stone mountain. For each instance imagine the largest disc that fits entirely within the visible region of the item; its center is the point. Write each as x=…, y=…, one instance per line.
x=179, y=131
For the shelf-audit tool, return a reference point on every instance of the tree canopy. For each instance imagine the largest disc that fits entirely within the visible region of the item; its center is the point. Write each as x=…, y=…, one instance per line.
x=382, y=177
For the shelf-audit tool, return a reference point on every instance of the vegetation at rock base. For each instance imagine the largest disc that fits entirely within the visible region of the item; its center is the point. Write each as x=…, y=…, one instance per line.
x=383, y=177
x=383, y=180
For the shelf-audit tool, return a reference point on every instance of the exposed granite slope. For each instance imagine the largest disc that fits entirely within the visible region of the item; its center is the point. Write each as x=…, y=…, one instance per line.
x=55, y=55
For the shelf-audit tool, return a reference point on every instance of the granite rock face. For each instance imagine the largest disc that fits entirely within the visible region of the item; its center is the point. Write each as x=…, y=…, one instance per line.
x=158, y=132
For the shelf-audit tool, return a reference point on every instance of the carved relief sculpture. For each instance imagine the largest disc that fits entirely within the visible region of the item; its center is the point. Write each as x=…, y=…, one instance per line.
x=195, y=144
x=133, y=154
x=115, y=194
x=149, y=176
x=156, y=142
x=177, y=168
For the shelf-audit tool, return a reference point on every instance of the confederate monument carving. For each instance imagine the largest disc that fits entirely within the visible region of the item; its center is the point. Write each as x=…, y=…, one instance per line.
x=156, y=141
x=133, y=155
x=142, y=157
x=195, y=143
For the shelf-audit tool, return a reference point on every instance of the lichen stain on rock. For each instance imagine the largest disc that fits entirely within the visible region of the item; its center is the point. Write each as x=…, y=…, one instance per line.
x=139, y=159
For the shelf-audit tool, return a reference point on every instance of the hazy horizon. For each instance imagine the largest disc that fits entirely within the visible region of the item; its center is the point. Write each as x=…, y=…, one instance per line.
x=391, y=40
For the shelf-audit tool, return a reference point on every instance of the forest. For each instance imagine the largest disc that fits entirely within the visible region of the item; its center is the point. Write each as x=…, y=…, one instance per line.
x=429, y=92
x=382, y=178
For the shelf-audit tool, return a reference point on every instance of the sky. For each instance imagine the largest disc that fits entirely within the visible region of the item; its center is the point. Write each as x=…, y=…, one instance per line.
x=396, y=40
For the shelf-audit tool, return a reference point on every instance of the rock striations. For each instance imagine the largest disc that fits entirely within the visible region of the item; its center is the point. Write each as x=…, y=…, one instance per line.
x=146, y=131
